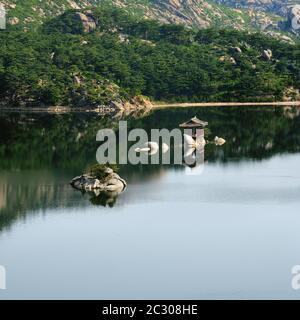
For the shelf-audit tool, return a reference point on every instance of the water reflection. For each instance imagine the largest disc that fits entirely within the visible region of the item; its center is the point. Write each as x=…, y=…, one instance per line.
x=40, y=154
x=104, y=198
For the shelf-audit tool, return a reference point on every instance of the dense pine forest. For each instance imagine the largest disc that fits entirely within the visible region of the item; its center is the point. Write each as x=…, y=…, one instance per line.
x=114, y=56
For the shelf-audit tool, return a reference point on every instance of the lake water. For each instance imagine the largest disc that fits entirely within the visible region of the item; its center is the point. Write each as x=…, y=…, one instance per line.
x=232, y=231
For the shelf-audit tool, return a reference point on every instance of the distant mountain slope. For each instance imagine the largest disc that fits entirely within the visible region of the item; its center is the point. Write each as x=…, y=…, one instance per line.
x=195, y=13
x=279, y=7
x=103, y=58
x=288, y=9
x=276, y=6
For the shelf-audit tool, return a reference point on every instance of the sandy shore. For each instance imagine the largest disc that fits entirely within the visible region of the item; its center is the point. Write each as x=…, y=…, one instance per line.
x=224, y=104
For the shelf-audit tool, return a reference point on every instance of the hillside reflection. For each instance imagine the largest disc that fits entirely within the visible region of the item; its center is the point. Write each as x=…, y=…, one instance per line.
x=40, y=153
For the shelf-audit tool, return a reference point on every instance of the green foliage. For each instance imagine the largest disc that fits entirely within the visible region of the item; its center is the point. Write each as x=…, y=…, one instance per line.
x=32, y=13
x=99, y=170
x=59, y=64
x=66, y=23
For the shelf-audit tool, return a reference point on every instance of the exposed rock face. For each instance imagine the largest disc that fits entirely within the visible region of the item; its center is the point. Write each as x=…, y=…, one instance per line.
x=137, y=107
x=291, y=94
x=88, y=21
x=236, y=49
x=281, y=37
x=112, y=182
x=13, y=21
x=189, y=12
x=294, y=18
x=274, y=6
x=193, y=13
x=76, y=80
x=267, y=54
x=283, y=8
x=227, y=59
x=138, y=104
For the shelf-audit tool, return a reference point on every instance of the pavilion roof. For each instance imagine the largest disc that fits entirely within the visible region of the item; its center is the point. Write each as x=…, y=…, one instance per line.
x=194, y=123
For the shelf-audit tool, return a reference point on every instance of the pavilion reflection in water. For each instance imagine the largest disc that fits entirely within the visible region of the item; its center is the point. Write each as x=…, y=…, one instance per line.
x=193, y=154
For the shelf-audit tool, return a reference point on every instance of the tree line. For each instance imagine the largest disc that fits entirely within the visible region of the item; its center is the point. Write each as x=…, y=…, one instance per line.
x=59, y=64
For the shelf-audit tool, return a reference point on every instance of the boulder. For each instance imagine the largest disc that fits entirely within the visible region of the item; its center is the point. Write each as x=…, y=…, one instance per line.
x=88, y=21
x=219, y=141
x=291, y=94
x=13, y=21
x=111, y=182
x=232, y=60
x=294, y=18
x=236, y=49
x=267, y=54
x=76, y=80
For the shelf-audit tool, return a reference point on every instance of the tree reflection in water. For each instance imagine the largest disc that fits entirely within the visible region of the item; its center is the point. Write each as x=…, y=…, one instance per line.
x=41, y=153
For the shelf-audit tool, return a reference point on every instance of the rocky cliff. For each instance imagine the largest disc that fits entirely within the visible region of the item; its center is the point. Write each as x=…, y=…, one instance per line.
x=275, y=6
x=288, y=9
x=294, y=18
x=242, y=15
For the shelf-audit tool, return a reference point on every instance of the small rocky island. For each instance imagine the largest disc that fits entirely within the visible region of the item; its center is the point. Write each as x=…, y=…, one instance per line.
x=99, y=178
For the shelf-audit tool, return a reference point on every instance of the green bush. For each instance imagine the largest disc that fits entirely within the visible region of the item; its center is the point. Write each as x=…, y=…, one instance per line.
x=98, y=170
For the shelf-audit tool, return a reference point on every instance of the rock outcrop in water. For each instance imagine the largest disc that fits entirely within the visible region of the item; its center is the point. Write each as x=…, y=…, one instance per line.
x=110, y=181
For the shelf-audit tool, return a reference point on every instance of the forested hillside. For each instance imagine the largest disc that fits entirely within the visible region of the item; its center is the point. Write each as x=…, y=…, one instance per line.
x=193, y=13
x=90, y=58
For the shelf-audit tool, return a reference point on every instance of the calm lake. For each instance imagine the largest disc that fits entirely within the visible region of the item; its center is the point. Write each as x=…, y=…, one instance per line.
x=232, y=231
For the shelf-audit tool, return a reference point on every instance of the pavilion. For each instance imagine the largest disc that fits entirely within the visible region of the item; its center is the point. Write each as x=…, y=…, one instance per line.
x=196, y=125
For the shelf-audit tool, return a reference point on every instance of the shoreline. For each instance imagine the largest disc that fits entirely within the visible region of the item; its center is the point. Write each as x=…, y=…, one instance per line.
x=58, y=109
x=226, y=104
